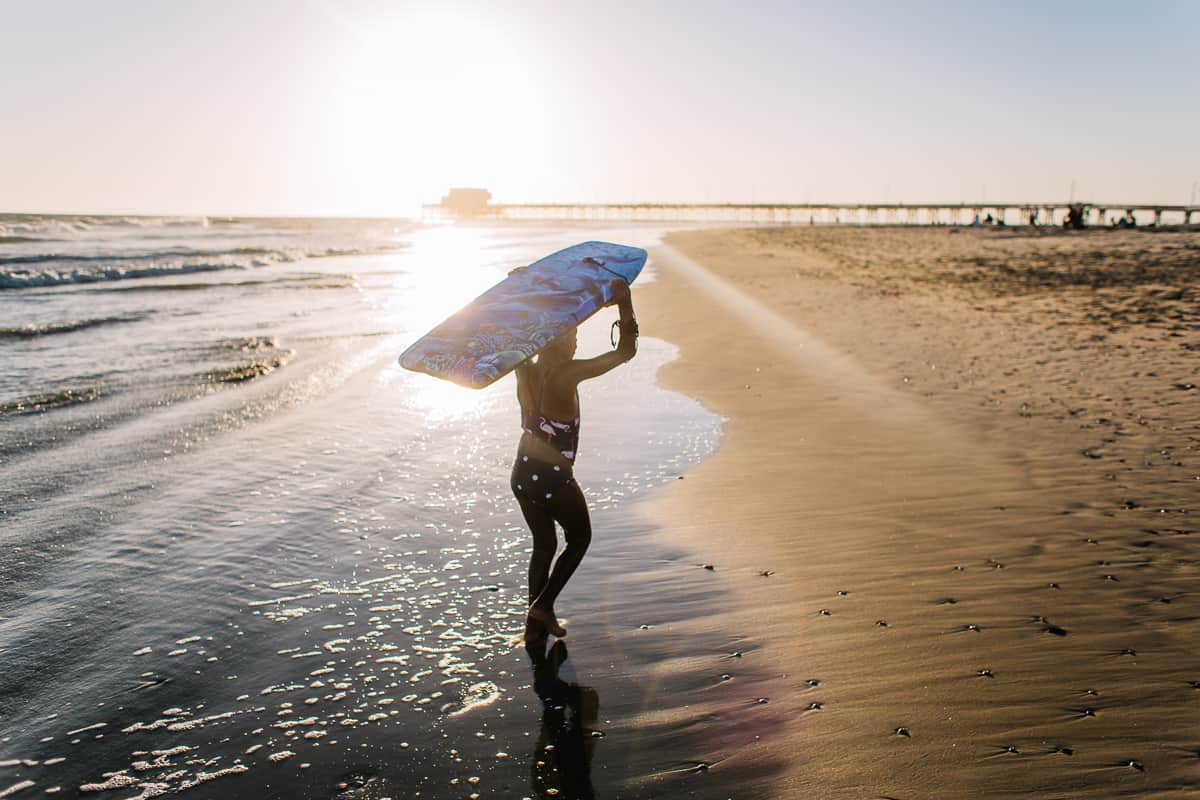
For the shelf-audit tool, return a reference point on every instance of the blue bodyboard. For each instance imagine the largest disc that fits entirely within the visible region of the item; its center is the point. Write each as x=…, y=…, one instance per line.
x=510, y=322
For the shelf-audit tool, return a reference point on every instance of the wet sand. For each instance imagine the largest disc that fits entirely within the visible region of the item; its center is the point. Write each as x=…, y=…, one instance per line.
x=956, y=500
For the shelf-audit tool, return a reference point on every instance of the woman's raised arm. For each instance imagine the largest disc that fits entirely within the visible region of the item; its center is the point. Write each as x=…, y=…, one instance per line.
x=583, y=369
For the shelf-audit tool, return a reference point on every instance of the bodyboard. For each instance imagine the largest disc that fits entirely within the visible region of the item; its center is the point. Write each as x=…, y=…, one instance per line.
x=510, y=322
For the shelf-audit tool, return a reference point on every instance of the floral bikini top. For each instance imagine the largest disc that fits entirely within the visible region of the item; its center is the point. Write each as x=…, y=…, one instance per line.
x=562, y=435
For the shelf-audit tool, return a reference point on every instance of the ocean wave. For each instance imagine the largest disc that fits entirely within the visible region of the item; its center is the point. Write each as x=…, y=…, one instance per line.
x=24, y=279
x=160, y=255
x=34, y=330
x=41, y=226
x=41, y=270
x=240, y=373
x=247, y=344
x=37, y=403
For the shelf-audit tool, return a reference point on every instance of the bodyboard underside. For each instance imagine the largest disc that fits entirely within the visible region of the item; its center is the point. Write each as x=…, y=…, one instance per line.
x=520, y=315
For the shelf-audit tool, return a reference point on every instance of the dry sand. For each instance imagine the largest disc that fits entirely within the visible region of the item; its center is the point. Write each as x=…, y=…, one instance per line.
x=958, y=499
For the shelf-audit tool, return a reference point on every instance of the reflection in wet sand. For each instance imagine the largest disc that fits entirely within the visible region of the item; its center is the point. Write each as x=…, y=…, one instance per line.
x=561, y=764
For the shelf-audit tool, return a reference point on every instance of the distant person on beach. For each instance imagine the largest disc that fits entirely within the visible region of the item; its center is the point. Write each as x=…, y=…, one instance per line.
x=1075, y=220
x=542, y=477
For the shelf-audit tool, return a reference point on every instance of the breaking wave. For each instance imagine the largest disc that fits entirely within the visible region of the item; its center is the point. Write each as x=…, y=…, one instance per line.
x=37, y=403
x=34, y=330
x=56, y=271
x=38, y=227
x=40, y=251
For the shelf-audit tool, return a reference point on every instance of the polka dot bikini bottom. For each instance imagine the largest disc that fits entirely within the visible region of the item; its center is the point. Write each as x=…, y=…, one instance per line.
x=537, y=480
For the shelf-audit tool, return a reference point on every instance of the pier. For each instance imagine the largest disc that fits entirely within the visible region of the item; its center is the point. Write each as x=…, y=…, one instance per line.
x=1093, y=214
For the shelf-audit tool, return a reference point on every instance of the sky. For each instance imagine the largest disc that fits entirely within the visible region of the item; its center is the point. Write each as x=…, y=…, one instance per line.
x=354, y=107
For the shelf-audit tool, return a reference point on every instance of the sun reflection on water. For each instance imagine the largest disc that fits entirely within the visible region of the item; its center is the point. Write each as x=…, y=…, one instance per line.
x=441, y=400
x=448, y=266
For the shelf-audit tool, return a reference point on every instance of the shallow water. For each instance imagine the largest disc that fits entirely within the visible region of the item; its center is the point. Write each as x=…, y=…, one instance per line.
x=246, y=553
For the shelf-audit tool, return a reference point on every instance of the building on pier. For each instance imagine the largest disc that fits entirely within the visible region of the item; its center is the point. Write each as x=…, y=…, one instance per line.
x=466, y=202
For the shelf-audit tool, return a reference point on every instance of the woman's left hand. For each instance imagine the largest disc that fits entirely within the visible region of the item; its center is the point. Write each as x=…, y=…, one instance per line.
x=620, y=292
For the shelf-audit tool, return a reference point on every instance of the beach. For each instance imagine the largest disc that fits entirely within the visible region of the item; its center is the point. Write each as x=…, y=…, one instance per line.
x=878, y=512
x=956, y=498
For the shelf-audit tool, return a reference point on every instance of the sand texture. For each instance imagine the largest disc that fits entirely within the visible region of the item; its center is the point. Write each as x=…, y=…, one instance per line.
x=957, y=497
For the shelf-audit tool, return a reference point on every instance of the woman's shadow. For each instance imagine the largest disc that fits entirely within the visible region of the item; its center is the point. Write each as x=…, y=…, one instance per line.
x=561, y=766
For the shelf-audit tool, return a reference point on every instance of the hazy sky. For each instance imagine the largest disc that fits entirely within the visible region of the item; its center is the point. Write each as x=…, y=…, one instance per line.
x=346, y=107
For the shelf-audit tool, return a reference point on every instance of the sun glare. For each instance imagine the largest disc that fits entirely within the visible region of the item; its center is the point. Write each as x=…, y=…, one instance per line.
x=446, y=267
x=449, y=266
x=437, y=100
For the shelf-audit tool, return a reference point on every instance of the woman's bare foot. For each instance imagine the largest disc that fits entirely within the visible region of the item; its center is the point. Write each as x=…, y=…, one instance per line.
x=546, y=620
x=534, y=630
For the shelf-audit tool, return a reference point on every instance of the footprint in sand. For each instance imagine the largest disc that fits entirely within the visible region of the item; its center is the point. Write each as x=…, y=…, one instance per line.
x=1048, y=626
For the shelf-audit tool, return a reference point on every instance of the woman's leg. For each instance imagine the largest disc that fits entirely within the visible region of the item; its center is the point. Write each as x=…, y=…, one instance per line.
x=569, y=509
x=541, y=525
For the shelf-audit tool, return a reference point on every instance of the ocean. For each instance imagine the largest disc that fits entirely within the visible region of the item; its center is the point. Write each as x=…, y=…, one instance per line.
x=245, y=554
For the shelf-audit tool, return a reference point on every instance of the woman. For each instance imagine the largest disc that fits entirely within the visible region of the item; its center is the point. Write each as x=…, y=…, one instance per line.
x=542, y=478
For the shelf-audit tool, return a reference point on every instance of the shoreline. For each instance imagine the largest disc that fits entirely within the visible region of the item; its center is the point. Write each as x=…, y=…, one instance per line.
x=951, y=547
